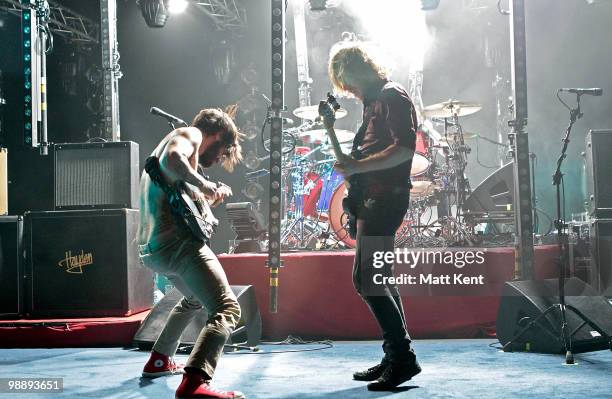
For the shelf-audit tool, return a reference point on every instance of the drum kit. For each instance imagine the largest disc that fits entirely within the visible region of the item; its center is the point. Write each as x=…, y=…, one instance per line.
x=314, y=217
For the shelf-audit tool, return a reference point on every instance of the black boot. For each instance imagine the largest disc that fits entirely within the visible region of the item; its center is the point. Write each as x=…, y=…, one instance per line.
x=371, y=374
x=394, y=375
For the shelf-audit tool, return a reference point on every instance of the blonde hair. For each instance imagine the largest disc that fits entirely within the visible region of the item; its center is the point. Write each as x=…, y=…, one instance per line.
x=213, y=120
x=352, y=65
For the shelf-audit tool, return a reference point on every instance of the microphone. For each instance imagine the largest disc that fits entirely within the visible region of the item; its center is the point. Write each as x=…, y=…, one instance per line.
x=167, y=116
x=596, y=91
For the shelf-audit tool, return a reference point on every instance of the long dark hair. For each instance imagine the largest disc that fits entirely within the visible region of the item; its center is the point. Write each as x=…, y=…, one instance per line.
x=214, y=120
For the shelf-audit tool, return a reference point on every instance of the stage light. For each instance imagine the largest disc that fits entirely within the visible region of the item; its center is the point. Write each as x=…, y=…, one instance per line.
x=385, y=32
x=155, y=12
x=177, y=6
x=253, y=191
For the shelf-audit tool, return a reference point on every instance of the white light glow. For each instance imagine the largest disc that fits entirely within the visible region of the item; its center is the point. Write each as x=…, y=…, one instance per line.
x=397, y=27
x=177, y=6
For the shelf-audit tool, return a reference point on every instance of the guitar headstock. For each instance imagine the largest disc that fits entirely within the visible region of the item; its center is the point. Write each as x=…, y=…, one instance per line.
x=327, y=110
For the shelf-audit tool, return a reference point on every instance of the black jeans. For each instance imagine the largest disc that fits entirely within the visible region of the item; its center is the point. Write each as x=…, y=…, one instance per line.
x=377, y=223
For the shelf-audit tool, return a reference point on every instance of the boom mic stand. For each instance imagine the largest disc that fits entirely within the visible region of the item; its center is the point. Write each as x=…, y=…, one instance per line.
x=562, y=242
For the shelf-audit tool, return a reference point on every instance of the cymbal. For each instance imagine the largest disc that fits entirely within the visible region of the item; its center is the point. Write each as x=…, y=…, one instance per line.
x=450, y=108
x=451, y=138
x=311, y=112
x=319, y=136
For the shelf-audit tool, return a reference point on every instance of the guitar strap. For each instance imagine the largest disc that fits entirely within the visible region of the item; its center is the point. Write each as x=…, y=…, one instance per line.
x=154, y=171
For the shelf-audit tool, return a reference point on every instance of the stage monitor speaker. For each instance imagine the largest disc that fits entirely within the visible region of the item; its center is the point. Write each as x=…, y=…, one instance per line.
x=3, y=181
x=248, y=331
x=85, y=264
x=523, y=301
x=495, y=193
x=11, y=267
x=96, y=175
x=599, y=170
x=601, y=255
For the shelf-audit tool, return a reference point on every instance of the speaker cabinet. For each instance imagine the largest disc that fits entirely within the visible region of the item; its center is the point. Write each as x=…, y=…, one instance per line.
x=599, y=170
x=248, y=331
x=96, y=175
x=11, y=267
x=85, y=264
x=523, y=301
x=601, y=255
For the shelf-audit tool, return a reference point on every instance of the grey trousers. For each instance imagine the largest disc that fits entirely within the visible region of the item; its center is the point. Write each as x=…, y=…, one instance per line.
x=197, y=273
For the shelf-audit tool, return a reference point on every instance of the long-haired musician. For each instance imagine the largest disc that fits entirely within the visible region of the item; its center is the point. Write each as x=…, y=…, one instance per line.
x=378, y=170
x=168, y=246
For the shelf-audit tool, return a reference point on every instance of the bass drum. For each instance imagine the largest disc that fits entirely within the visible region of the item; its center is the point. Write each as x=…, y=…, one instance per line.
x=338, y=219
x=414, y=220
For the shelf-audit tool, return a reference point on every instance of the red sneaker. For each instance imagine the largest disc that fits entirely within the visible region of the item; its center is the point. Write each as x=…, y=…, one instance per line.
x=194, y=386
x=160, y=365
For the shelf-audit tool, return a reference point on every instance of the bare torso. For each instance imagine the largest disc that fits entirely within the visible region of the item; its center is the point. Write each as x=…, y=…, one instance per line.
x=157, y=223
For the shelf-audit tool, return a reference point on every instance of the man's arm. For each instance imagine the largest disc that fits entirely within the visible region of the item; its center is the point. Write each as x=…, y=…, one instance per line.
x=175, y=164
x=388, y=158
x=400, y=117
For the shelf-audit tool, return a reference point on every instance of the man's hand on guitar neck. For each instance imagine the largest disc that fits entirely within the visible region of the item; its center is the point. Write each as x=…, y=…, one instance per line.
x=215, y=193
x=223, y=191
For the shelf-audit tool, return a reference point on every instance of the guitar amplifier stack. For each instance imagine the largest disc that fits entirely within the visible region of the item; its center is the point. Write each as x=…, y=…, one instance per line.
x=599, y=169
x=81, y=259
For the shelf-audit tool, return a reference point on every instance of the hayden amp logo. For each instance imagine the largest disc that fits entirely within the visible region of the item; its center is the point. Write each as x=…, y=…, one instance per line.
x=75, y=263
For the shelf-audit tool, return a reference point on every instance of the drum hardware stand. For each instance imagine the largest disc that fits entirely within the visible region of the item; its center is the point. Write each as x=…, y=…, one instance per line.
x=455, y=229
x=296, y=227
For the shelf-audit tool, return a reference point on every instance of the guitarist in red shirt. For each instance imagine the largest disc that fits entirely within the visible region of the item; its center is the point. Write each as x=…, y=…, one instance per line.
x=170, y=244
x=378, y=173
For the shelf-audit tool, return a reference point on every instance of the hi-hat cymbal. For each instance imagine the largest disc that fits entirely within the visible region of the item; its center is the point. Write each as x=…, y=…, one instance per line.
x=453, y=138
x=311, y=112
x=450, y=108
x=319, y=136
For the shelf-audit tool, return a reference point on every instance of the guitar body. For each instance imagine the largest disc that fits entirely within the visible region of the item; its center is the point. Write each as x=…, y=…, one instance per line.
x=355, y=195
x=196, y=214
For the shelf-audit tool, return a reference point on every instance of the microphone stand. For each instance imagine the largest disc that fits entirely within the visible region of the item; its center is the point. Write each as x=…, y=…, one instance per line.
x=562, y=239
x=562, y=242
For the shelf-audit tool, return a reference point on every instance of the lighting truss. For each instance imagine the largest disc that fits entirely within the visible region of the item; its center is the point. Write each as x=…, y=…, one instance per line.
x=226, y=14
x=62, y=21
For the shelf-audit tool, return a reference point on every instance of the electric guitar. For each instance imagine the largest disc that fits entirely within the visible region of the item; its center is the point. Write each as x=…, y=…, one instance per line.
x=196, y=214
x=355, y=195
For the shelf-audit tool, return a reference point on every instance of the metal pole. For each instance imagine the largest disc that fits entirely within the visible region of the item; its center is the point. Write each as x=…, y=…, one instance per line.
x=522, y=199
x=276, y=144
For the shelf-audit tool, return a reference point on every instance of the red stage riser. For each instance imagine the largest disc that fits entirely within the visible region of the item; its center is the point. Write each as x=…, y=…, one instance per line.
x=317, y=298
x=82, y=332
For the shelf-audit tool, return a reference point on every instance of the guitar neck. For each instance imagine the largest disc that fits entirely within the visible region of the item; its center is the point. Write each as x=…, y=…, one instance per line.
x=335, y=144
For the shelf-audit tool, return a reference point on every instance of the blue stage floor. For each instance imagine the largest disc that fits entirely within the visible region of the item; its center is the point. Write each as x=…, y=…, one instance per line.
x=451, y=369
